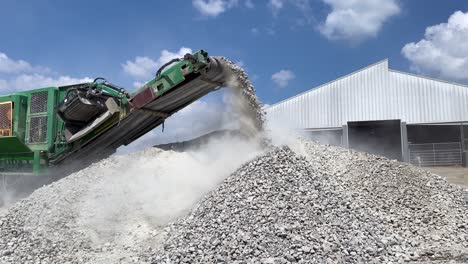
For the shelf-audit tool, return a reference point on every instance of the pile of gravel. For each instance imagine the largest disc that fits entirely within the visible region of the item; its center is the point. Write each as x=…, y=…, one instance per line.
x=58, y=223
x=116, y=209
x=326, y=206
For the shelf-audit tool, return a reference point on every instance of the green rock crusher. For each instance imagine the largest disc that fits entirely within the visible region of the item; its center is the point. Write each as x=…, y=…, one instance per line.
x=71, y=126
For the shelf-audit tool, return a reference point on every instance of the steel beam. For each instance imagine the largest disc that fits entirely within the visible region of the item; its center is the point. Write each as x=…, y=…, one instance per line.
x=404, y=142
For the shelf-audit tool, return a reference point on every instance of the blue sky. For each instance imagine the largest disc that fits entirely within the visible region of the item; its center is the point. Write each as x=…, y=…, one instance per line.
x=287, y=46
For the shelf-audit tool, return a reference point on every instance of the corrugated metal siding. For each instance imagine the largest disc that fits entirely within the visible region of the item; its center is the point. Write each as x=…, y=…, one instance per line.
x=375, y=93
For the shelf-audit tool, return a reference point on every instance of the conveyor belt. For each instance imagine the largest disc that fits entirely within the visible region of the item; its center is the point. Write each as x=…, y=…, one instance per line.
x=140, y=121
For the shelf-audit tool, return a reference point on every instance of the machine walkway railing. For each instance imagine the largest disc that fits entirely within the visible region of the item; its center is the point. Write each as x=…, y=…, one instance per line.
x=436, y=154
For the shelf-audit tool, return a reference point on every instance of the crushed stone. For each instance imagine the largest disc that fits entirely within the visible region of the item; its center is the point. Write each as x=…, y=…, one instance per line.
x=324, y=205
x=329, y=206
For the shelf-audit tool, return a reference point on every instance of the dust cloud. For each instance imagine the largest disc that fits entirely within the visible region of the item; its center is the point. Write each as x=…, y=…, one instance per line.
x=131, y=195
x=154, y=187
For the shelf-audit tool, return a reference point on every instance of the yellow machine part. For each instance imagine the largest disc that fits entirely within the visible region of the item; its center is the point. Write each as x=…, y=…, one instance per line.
x=6, y=119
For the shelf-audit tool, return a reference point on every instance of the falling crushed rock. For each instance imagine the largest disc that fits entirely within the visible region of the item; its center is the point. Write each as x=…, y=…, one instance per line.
x=246, y=101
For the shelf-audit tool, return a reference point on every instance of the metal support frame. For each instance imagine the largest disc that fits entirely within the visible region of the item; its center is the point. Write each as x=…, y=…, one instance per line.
x=462, y=136
x=36, y=162
x=462, y=141
x=404, y=142
x=344, y=137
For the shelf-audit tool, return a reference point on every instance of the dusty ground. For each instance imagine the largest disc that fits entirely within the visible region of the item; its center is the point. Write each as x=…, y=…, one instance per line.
x=457, y=175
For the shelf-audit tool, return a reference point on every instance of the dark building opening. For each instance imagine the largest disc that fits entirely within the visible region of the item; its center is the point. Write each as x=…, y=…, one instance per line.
x=420, y=134
x=329, y=136
x=376, y=137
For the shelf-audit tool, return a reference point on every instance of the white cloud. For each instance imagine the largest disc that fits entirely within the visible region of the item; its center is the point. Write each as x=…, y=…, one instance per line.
x=141, y=67
x=4, y=87
x=167, y=55
x=10, y=66
x=356, y=20
x=276, y=5
x=283, y=77
x=270, y=31
x=144, y=68
x=302, y=5
x=249, y=4
x=35, y=80
x=19, y=75
x=443, y=52
x=213, y=8
x=138, y=84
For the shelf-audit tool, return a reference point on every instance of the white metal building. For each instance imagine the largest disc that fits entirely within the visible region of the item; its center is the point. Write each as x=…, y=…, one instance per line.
x=376, y=108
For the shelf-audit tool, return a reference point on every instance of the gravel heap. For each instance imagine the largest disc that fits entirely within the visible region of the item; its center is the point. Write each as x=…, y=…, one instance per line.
x=55, y=223
x=326, y=206
x=250, y=108
x=115, y=209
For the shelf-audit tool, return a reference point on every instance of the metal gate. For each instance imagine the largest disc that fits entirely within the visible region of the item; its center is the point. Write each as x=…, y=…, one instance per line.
x=435, y=154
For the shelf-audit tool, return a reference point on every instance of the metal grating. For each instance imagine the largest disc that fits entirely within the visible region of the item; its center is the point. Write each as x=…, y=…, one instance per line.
x=39, y=102
x=435, y=154
x=6, y=119
x=38, y=129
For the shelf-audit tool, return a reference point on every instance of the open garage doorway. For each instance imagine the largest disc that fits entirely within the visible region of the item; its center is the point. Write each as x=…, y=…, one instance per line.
x=332, y=137
x=376, y=137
